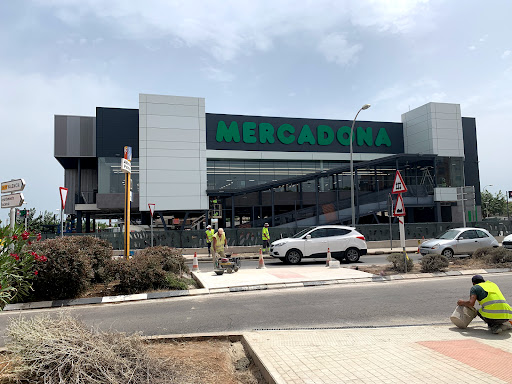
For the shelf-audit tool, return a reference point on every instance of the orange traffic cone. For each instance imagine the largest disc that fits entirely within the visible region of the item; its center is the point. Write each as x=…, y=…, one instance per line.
x=328, y=257
x=195, y=263
x=261, y=262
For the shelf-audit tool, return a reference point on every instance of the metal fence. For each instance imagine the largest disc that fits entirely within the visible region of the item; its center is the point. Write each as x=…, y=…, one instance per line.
x=252, y=236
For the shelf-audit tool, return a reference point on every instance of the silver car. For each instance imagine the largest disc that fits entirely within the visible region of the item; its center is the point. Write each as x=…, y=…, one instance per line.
x=459, y=241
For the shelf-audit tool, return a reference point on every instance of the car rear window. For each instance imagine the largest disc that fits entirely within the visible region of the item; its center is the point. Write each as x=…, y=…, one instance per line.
x=337, y=232
x=469, y=234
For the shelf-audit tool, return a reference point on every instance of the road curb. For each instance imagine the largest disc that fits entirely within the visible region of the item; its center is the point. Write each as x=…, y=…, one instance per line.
x=246, y=288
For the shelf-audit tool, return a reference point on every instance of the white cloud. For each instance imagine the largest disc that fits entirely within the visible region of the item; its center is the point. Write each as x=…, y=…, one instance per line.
x=336, y=49
x=471, y=47
x=238, y=27
x=506, y=54
x=217, y=74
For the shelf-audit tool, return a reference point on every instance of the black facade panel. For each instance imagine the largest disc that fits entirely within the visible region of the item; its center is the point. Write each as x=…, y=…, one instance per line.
x=286, y=134
x=86, y=136
x=61, y=136
x=116, y=128
x=471, y=169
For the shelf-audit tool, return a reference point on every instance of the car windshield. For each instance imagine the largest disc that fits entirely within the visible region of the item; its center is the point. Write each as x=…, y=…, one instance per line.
x=448, y=235
x=302, y=233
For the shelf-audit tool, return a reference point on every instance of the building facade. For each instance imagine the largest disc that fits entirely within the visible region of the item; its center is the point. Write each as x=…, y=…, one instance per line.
x=245, y=170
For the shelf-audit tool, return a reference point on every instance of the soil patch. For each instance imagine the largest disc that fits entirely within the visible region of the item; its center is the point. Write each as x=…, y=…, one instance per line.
x=213, y=361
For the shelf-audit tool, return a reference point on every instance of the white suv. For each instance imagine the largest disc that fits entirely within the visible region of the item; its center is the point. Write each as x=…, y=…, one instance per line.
x=343, y=242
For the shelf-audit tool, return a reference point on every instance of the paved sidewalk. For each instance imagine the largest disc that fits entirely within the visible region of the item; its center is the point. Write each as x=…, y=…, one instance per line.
x=412, y=354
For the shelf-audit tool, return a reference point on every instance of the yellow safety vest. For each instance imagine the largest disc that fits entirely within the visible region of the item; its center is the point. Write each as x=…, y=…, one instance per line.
x=264, y=234
x=494, y=306
x=209, y=235
x=221, y=240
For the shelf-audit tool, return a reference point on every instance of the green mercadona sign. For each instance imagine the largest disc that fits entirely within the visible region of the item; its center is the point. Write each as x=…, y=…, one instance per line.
x=259, y=133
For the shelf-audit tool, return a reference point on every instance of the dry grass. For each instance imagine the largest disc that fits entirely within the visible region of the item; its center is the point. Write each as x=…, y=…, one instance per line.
x=63, y=350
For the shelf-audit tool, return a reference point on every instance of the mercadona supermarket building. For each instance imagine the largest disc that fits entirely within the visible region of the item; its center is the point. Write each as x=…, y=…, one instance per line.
x=243, y=171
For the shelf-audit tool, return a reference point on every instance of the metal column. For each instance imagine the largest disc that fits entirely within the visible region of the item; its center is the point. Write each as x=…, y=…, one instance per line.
x=317, y=200
x=273, y=208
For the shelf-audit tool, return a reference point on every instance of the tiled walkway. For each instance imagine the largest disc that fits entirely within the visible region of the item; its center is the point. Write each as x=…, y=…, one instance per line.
x=419, y=354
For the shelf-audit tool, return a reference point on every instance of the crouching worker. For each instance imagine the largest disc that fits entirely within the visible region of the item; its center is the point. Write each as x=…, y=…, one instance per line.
x=494, y=309
x=219, y=243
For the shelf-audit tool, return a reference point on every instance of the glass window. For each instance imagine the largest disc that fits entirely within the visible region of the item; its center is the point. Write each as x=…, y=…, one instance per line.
x=471, y=234
x=337, y=232
x=481, y=234
x=111, y=178
x=318, y=233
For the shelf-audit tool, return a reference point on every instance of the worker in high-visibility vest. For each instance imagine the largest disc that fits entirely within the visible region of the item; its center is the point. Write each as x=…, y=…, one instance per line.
x=265, y=236
x=220, y=243
x=209, y=238
x=494, y=309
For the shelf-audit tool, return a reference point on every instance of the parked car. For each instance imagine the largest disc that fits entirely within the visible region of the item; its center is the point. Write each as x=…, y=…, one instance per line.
x=458, y=241
x=507, y=242
x=343, y=243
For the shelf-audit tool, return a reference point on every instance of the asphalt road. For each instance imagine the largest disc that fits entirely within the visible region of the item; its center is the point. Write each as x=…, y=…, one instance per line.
x=423, y=301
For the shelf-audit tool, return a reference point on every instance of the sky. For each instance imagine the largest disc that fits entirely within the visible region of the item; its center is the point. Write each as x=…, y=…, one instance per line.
x=297, y=58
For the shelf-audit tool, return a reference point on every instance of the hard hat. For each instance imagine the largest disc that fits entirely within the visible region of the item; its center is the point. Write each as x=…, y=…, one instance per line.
x=209, y=226
x=266, y=224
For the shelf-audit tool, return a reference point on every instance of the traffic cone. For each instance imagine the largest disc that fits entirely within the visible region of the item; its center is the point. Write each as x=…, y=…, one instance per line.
x=261, y=262
x=328, y=257
x=195, y=263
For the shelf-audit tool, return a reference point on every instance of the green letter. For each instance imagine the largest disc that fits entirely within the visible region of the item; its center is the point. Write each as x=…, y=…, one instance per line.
x=382, y=138
x=228, y=134
x=364, y=136
x=285, y=139
x=248, y=132
x=324, y=134
x=343, y=135
x=266, y=133
x=306, y=136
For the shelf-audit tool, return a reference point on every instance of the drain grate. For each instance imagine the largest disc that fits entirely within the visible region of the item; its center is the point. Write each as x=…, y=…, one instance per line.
x=348, y=327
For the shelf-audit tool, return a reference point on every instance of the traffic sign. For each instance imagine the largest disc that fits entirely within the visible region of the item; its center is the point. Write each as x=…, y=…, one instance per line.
x=63, y=194
x=13, y=186
x=151, y=208
x=12, y=200
x=126, y=166
x=398, y=184
x=399, y=207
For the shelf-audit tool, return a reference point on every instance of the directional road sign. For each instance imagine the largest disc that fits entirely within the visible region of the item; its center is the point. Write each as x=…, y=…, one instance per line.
x=12, y=200
x=13, y=186
x=398, y=184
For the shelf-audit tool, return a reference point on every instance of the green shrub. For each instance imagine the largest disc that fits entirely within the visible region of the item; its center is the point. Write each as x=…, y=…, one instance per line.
x=100, y=253
x=434, y=263
x=398, y=263
x=140, y=274
x=482, y=253
x=500, y=255
x=175, y=282
x=66, y=274
x=170, y=259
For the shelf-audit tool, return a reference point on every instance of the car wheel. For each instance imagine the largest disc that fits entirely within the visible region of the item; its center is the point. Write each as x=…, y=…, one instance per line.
x=352, y=255
x=448, y=253
x=293, y=256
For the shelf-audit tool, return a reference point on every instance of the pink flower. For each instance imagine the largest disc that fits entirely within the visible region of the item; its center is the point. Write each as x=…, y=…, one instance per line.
x=29, y=242
x=15, y=256
x=25, y=235
x=15, y=237
x=36, y=272
x=38, y=237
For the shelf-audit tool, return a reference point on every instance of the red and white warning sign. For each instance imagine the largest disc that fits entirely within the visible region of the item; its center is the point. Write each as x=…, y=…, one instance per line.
x=151, y=209
x=399, y=207
x=63, y=195
x=398, y=184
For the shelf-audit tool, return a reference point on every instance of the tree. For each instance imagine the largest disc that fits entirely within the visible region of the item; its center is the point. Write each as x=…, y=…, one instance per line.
x=494, y=205
x=38, y=223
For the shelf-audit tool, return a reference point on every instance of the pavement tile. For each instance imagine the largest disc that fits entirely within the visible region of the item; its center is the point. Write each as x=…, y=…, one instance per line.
x=497, y=270
x=397, y=277
x=453, y=273
x=197, y=292
x=472, y=271
x=411, y=276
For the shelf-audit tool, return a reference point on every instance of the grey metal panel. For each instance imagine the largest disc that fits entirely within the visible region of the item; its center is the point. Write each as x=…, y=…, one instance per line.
x=86, y=136
x=114, y=201
x=70, y=182
x=73, y=139
x=60, y=135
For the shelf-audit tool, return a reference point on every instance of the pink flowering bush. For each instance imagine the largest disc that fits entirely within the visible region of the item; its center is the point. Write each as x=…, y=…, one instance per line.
x=18, y=265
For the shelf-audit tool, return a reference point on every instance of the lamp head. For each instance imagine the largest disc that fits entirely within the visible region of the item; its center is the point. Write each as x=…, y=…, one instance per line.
x=366, y=106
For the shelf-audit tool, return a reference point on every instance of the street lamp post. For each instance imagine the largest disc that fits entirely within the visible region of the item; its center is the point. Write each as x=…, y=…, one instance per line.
x=366, y=106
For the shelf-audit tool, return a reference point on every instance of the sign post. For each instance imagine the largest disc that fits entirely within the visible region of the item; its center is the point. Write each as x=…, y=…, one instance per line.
x=151, y=211
x=13, y=200
x=126, y=167
x=399, y=211
x=63, y=195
